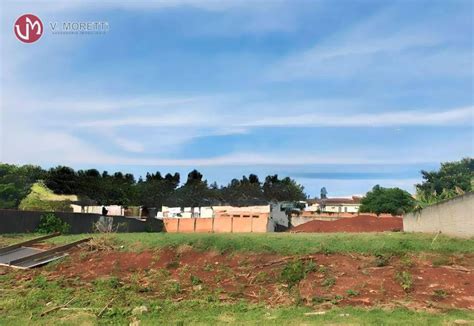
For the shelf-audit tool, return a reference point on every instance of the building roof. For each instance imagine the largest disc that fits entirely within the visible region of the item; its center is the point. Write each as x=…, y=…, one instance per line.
x=313, y=201
x=340, y=201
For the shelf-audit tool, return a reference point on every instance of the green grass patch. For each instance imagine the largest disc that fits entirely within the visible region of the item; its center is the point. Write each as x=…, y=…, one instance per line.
x=192, y=312
x=42, y=198
x=282, y=243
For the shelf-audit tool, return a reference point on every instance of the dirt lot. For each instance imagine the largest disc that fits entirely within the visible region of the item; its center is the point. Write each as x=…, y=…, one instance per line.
x=360, y=223
x=417, y=282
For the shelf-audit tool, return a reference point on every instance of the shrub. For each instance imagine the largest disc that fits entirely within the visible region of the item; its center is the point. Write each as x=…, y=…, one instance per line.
x=352, y=293
x=50, y=223
x=382, y=260
x=328, y=282
x=295, y=271
x=439, y=294
x=319, y=299
x=195, y=280
x=405, y=279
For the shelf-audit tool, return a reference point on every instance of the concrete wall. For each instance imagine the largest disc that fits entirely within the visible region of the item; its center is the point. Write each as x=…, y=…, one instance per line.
x=15, y=221
x=278, y=216
x=452, y=217
x=236, y=223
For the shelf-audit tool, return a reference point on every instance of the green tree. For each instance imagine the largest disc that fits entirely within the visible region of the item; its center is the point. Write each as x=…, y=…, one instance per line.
x=452, y=179
x=62, y=180
x=247, y=191
x=286, y=189
x=393, y=201
x=195, y=192
x=155, y=190
x=15, y=183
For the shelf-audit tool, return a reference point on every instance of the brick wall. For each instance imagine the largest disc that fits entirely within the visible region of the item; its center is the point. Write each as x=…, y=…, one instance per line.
x=224, y=223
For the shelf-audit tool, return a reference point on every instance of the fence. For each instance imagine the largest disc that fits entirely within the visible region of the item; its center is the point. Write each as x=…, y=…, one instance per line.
x=15, y=221
x=452, y=217
x=222, y=223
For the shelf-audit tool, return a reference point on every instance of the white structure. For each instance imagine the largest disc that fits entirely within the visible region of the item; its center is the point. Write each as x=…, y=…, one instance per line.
x=245, y=209
x=207, y=211
x=113, y=210
x=336, y=205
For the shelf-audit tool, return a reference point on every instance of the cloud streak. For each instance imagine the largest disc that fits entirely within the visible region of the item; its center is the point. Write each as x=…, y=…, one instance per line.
x=448, y=117
x=374, y=48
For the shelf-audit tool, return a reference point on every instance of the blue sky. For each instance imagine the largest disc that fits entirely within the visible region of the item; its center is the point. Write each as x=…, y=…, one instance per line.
x=341, y=94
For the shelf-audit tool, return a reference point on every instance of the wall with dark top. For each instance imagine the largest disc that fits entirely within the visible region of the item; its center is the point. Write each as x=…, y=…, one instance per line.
x=15, y=221
x=452, y=217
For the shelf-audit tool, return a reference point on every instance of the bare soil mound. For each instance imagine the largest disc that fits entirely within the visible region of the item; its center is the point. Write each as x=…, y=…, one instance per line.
x=318, y=279
x=360, y=223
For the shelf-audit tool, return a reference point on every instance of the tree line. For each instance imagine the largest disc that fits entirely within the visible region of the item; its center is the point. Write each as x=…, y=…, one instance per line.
x=451, y=180
x=154, y=190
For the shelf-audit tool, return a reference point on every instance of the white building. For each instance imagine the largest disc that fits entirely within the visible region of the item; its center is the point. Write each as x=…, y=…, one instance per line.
x=336, y=205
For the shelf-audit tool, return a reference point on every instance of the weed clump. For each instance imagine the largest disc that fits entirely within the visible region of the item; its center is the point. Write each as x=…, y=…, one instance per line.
x=406, y=280
x=381, y=260
x=195, y=280
x=439, y=294
x=352, y=293
x=441, y=261
x=328, y=282
x=295, y=271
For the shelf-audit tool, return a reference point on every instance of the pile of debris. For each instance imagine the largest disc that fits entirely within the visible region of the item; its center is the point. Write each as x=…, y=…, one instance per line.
x=22, y=256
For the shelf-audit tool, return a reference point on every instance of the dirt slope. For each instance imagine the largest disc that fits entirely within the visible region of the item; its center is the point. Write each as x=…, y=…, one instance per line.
x=360, y=223
x=355, y=280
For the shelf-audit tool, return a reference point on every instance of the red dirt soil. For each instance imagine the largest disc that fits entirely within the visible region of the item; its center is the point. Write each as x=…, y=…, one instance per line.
x=354, y=279
x=360, y=223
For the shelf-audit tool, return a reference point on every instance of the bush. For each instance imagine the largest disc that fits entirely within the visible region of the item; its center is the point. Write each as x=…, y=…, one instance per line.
x=295, y=271
x=406, y=280
x=382, y=260
x=50, y=223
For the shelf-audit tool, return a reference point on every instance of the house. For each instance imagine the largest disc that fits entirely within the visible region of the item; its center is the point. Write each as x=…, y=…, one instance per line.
x=339, y=205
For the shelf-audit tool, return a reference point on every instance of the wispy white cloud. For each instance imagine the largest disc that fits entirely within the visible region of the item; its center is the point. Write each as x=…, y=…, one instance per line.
x=38, y=126
x=320, y=118
x=167, y=123
x=453, y=116
x=102, y=105
x=375, y=47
